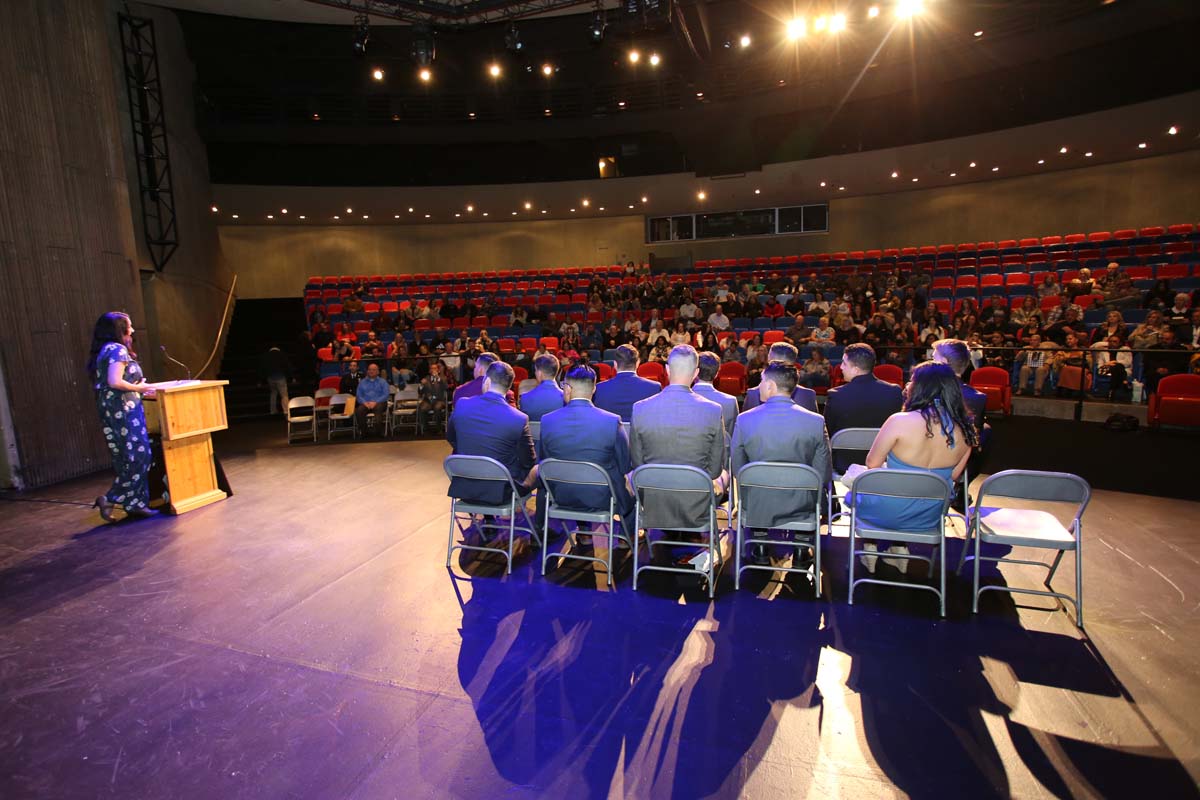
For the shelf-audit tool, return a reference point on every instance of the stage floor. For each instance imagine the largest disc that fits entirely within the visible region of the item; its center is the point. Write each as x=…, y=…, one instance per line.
x=304, y=639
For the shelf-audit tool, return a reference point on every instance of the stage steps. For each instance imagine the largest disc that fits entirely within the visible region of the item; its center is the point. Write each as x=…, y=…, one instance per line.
x=257, y=326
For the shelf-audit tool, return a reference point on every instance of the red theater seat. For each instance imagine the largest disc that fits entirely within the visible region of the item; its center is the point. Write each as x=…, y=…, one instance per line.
x=996, y=383
x=890, y=373
x=654, y=371
x=1177, y=401
x=731, y=378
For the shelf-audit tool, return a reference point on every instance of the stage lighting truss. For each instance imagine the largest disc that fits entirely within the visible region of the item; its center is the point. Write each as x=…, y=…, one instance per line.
x=453, y=13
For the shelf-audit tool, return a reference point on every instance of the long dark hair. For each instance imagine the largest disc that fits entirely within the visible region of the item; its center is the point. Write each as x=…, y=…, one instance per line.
x=934, y=391
x=111, y=327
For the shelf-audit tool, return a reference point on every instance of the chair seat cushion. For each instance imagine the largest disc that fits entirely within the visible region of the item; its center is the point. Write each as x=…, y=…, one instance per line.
x=1022, y=527
x=1179, y=410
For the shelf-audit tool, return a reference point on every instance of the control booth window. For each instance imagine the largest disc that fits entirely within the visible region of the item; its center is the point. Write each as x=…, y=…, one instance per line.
x=733, y=224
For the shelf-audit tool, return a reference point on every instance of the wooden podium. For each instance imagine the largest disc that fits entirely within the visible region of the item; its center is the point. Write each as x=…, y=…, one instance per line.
x=188, y=413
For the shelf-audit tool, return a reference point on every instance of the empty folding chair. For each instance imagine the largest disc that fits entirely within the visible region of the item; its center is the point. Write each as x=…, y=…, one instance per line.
x=847, y=446
x=405, y=410
x=1029, y=527
x=671, y=487
x=304, y=423
x=902, y=484
x=484, y=469
x=322, y=396
x=341, y=416
x=759, y=485
x=555, y=473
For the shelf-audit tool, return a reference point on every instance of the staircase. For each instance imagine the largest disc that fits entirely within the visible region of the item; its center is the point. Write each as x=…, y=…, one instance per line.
x=257, y=326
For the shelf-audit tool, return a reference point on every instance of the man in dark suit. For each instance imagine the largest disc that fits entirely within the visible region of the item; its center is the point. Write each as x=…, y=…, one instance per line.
x=955, y=354
x=863, y=401
x=710, y=363
x=621, y=391
x=474, y=387
x=581, y=432
x=546, y=396
x=678, y=426
x=780, y=430
x=485, y=425
x=784, y=353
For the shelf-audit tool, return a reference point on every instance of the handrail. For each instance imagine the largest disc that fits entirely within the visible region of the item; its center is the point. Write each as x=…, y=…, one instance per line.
x=221, y=328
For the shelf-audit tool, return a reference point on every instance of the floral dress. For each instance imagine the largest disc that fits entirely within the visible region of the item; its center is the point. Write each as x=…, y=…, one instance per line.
x=124, y=422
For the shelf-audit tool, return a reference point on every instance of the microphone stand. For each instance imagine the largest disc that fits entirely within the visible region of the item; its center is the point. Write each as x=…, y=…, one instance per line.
x=167, y=355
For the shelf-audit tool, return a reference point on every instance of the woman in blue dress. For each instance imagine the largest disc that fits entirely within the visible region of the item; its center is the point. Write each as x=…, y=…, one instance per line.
x=120, y=386
x=934, y=433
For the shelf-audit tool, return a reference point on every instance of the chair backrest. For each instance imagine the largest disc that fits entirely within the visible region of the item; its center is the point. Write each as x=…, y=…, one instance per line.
x=772, y=475
x=477, y=468
x=322, y=397
x=410, y=393
x=579, y=473
x=535, y=429
x=990, y=376
x=909, y=484
x=890, y=373
x=853, y=439
x=339, y=401
x=1037, y=485
x=672, y=478
x=1180, y=385
x=301, y=402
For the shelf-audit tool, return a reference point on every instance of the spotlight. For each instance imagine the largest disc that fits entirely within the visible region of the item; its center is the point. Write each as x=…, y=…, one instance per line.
x=873, y=12
x=494, y=70
x=585, y=202
x=758, y=191
x=1041, y=161
x=908, y=8
x=235, y=216
x=841, y=188
x=796, y=29
x=822, y=184
x=528, y=206
x=547, y=70
x=914, y=180
x=424, y=47
x=819, y=24
x=470, y=208
x=745, y=40
x=837, y=23
x=427, y=216
x=634, y=56
x=997, y=169
x=377, y=74
x=1172, y=130
x=270, y=216
x=1088, y=154
x=645, y=199
x=303, y=217
x=655, y=60
x=425, y=74
x=512, y=39
x=362, y=34
x=410, y=209
x=701, y=196
x=953, y=174
x=971, y=165
x=283, y=211
x=597, y=25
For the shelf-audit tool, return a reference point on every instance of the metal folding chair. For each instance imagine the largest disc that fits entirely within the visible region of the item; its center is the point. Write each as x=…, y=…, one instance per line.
x=482, y=468
x=535, y=430
x=322, y=408
x=405, y=405
x=578, y=473
x=847, y=440
x=755, y=482
x=1028, y=527
x=909, y=485
x=307, y=419
x=339, y=420
x=688, y=481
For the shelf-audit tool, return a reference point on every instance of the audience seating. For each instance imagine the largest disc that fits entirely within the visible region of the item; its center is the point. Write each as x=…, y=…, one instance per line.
x=1176, y=401
x=890, y=373
x=996, y=383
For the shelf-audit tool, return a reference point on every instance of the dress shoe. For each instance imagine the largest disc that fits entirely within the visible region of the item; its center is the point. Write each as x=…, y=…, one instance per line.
x=106, y=508
x=869, y=561
x=898, y=563
x=142, y=512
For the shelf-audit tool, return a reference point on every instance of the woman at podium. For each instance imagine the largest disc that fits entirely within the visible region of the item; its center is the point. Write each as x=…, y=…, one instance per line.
x=119, y=386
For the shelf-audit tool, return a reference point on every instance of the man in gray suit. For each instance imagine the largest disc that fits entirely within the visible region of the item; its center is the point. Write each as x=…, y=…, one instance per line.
x=786, y=353
x=781, y=430
x=709, y=364
x=677, y=426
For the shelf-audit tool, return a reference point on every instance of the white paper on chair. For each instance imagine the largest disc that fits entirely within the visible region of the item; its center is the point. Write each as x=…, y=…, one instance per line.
x=851, y=474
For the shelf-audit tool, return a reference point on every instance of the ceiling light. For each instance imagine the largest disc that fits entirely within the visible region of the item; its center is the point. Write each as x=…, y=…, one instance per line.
x=647, y=199
x=997, y=169
x=822, y=183
x=365, y=216
x=585, y=202
x=758, y=191
x=335, y=216
x=601, y=208
x=978, y=34
x=620, y=104
x=547, y=70
x=873, y=12
x=316, y=116
x=796, y=28
x=270, y=216
x=1088, y=154
x=235, y=216
x=471, y=114
x=655, y=60
x=1172, y=130
x=699, y=95
x=908, y=8
x=634, y=56
x=701, y=196
x=1041, y=161
x=528, y=206
x=745, y=40
x=915, y=180
x=544, y=210
x=215, y=209
x=819, y=24
x=514, y=213
x=631, y=206
x=895, y=174
x=572, y=211
x=953, y=174
x=396, y=217
x=485, y=213
x=837, y=23
x=972, y=165
x=283, y=211
x=470, y=208
x=512, y=39
x=494, y=70
x=841, y=188
x=1141, y=145
x=596, y=26
x=426, y=74
x=427, y=216
x=303, y=217
x=377, y=74
x=546, y=112
x=457, y=215
x=1063, y=150
x=349, y=210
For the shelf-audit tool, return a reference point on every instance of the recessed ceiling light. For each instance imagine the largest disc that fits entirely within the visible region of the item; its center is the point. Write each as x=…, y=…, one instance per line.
x=837, y=23
x=1063, y=150
x=365, y=216
x=995, y=169
x=544, y=210
x=915, y=180
x=349, y=210
x=426, y=75
x=701, y=195
x=797, y=28
x=470, y=208
x=1041, y=161
x=631, y=205
x=303, y=217
x=700, y=95
x=270, y=216
x=572, y=211
x=397, y=217
x=485, y=213
x=758, y=191
x=647, y=199
x=585, y=203
x=235, y=216
x=745, y=40
x=410, y=209
x=427, y=216
x=655, y=60
x=1172, y=130
x=316, y=116
x=1088, y=154
x=283, y=211
x=471, y=114
x=215, y=209
x=377, y=74
x=953, y=174
x=873, y=12
x=494, y=70
x=971, y=165
x=457, y=215
x=895, y=174
x=634, y=56
x=978, y=34
x=514, y=213
x=528, y=206
x=620, y=104
x=601, y=208
x=335, y=216
x=841, y=188
x=547, y=70
x=822, y=183
x=1141, y=145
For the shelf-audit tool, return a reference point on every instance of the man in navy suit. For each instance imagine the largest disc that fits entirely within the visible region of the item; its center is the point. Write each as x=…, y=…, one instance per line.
x=785, y=353
x=710, y=364
x=621, y=391
x=863, y=401
x=955, y=354
x=581, y=432
x=485, y=425
x=546, y=396
x=474, y=387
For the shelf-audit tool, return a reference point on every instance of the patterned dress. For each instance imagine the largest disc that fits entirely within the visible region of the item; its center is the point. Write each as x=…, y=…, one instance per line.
x=124, y=422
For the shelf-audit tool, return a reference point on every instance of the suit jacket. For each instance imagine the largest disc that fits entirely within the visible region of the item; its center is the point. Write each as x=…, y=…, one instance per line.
x=541, y=400
x=486, y=425
x=976, y=403
x=803, y=397
x=864, y=402
x=780, y=430
x=678, y=426
x=727, y=402
x=474, y=388
x=581, y=432
x=621, y=391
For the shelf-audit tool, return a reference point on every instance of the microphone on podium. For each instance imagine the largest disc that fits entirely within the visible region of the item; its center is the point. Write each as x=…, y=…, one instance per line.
x=167, y=355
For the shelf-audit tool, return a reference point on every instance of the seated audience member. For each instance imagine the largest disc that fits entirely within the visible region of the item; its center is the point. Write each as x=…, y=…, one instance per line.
x=709, y=364
x=371, y=396
x=815, y=371
x=779, y=430
x=1188, y=334
x=614, y=337
x=342, y=350
x=1033, y=361
x=823, y=335
x=864, y=401
x=1114, y=359
x=383, y=323
x=350, y=379
x=1027, y=311
x=1072, y=366
x=799, y=333
x=353, y=304
x=1070, y=324
x=787, y=354
x=486, y=425
x=474, y=387
x=618, y=394
x=1146, y=335
x=955, y=354
x=372, y=347
x=322, y=337
x=1113, y=325
x=546, y=396
x=581, y=432
x=1122, y=294
x=997, y=354
x=1160, y=295
x=847, y=332
x=717, y=319
x=434, y=392
x=678, y=426
x=661, y=350
x=933, y=433
x=1157, y=366
x=1049, y=286
x=1181, y=312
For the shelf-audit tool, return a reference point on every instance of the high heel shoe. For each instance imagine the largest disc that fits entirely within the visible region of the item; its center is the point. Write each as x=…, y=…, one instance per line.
x=145, y=512
x=106, y=508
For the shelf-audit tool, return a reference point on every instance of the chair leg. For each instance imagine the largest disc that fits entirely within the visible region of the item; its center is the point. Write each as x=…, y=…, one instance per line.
x=1079, y=575
x=546, y=538
x=975, y=571
x=512, y=531
x=450, y=540
x=851, y=559
x=637, y=530
x=942, y=565
x=737, y=556
x=1054, y=568
x=817, y=561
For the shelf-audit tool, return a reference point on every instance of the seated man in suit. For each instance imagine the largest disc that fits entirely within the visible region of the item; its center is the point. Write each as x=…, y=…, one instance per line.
x=678, y=426
x=780, y=430
x=485, y=425
x=371, y=396
x=955, y=354
x=434, y=392
x=710, y=363
x=581, y=432
x=621, y=391
x=863, y=401
x=546, y=396
x=784, y=353
x=349, y=382
x=474, y=387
